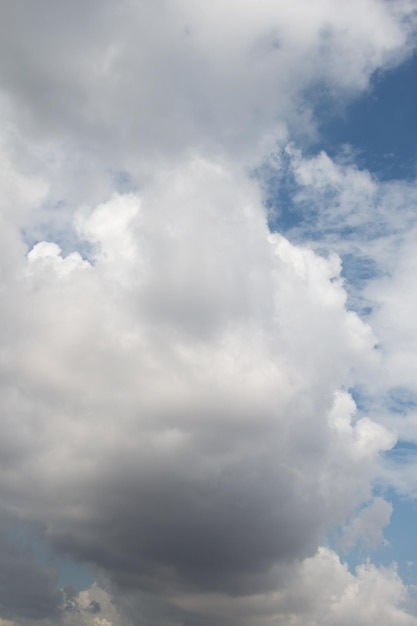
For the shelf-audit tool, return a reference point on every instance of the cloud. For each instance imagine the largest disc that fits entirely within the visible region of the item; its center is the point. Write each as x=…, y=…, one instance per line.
x=175, y=377
x=367, y=527
x=322, y=591
x=156, y=79
x=27, y=590
x=180, y=419
x=346, y=208
x=372, y=225
x=319, y=590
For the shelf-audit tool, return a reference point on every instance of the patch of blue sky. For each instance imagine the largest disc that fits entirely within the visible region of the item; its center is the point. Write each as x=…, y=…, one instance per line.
x=57, y=226
x=280, y=191
x=357, y=271
x=47, y=228
x=285, y=213
x=403, y=452
x=360, y=398
x=399, y=545
x=377, y=132
x=300, y=222
x=401, y=400
x=381, y=125
x=56, y=223
x=123, y=182
x=79, y=576
x=400, y=538
x=75, y=575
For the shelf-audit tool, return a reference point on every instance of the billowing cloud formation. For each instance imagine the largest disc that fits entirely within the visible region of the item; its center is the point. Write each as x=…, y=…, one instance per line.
x=372, y=225
x=320, y=590
x=174, y=401
x=175, y=377
x=158, y=78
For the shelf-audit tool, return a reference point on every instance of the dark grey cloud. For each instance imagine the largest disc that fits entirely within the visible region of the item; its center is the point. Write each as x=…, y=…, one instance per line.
x=27, y=589
x=220, y=533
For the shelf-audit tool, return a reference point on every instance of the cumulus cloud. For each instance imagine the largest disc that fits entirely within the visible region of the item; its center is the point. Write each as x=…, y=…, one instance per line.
x=151, y=80
x=372, y=225
x=186, y=428
x=175, y=377
x=320, y=590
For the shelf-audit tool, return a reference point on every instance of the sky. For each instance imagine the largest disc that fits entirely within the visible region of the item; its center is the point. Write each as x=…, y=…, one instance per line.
x=208, y=352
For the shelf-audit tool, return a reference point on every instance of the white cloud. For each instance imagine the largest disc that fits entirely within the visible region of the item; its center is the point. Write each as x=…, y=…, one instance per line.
x=178, y=390
x=367, y=527
x=155, y=79
x=395, y=317
x=349, y=211
x=174, y=394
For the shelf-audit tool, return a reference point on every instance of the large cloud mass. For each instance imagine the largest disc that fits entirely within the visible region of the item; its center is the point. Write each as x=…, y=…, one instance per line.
x=175, y=377
x=154, y=79
x=179, y=386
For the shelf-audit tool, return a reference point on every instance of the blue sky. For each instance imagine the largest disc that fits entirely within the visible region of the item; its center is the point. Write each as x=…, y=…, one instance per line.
x=208, y=349
x=380, y=125
x=376, y=132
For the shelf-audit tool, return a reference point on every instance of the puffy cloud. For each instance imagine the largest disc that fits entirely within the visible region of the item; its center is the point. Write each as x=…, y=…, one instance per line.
x=372, y=225
x=319, y=590
x=173, y=403
x=174, y=377
x=159, y=78
x=339, y=598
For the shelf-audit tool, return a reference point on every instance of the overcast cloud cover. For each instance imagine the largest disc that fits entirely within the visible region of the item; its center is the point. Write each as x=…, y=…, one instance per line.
x=178, y=374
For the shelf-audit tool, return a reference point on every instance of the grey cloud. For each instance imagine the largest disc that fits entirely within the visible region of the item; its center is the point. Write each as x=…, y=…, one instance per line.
x=169, y=76
x=94, y=607
x=27, y=590
x=319, y=590
x=183, y=454
x=174, y=407
x=175, y=455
